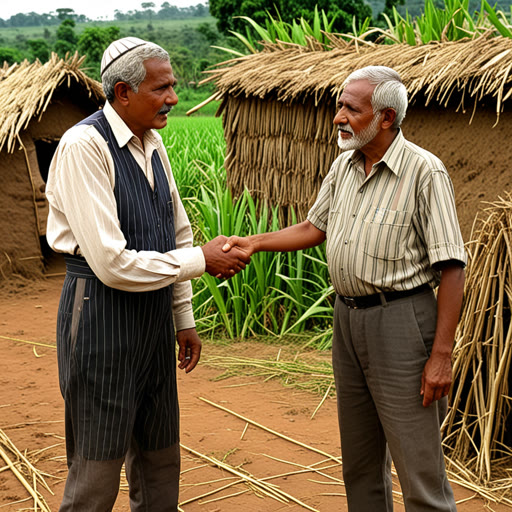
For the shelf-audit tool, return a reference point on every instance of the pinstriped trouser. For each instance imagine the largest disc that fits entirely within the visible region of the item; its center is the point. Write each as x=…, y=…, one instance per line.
x=117, y=369
x=378, y=358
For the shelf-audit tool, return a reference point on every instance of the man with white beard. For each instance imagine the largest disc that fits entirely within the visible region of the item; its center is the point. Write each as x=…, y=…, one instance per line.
x=387, y=211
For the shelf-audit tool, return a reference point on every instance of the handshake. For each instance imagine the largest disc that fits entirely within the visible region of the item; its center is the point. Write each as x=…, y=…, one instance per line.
x=225, y=256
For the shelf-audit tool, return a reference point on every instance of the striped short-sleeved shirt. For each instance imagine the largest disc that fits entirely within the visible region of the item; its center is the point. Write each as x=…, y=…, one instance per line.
x=386, y=231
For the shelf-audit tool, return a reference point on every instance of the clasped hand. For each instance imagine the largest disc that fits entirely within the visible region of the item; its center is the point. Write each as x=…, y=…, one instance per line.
x=222, y=263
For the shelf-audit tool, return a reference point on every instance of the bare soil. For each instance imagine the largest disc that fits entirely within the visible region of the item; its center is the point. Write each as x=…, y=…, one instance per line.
x=31, y=415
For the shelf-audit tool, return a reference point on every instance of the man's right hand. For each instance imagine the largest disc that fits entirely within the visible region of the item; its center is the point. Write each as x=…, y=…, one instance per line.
x=222, y=264
x=243, y=243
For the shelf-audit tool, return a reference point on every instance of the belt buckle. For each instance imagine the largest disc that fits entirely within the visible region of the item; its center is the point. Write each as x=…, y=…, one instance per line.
x=350, y=302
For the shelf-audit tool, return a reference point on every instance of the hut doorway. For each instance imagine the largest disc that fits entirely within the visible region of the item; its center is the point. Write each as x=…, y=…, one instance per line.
x=45, y=149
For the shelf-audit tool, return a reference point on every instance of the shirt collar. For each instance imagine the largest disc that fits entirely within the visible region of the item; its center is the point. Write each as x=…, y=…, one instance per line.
x=392, y=157
x=122, y=133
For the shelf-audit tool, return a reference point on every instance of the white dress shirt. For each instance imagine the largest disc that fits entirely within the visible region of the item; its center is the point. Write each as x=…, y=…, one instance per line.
x=83, y=216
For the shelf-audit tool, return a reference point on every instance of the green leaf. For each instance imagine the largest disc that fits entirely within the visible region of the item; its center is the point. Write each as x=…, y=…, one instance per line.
x=502, y=29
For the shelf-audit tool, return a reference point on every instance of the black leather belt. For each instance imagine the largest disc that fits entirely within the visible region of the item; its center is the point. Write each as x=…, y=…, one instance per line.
x=379, y=299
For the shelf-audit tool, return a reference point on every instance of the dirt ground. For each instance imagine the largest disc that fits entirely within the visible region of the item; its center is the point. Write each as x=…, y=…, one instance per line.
x=31, y=413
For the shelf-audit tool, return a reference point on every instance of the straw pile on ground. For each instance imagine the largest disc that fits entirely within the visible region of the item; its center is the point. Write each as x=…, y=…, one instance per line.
x=478, y=428
x=278, y=105
x=26, y=90
x=25, y=471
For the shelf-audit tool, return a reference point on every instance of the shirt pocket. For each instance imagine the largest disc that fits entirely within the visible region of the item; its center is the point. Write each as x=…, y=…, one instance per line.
x=385, y=233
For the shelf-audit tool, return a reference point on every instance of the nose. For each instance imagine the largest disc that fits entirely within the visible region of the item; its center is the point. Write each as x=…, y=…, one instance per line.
x=340, y=117
x=172, y=97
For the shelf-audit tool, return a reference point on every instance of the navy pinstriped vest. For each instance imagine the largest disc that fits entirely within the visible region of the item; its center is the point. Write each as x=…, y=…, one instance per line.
x=146, y=216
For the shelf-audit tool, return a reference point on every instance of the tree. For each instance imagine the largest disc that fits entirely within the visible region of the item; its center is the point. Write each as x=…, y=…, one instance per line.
x=226, y=12
x=65, y=13
x=209, y=32
x=201, y=11
x=92, y=43
x=66, y=38
x=66, y=32
x=39, y=49
x=148, y=6
x=168, y=11
x=10, y=55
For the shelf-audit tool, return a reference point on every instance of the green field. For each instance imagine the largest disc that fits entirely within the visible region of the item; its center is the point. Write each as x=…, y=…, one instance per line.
x=10, y=36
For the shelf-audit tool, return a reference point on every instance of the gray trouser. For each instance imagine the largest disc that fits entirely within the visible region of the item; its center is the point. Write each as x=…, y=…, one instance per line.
x=153, y=478
x=378, y=357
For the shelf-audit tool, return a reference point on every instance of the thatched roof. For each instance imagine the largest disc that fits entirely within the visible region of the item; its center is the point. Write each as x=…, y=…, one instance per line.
x=26, y=90
x=476, y=68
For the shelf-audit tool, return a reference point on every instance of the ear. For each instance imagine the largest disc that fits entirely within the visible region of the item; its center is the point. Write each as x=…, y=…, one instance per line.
x=121, y=92
x=389, y=116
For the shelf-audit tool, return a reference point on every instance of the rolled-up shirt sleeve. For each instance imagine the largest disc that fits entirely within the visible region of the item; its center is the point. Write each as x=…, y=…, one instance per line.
x=83, y=215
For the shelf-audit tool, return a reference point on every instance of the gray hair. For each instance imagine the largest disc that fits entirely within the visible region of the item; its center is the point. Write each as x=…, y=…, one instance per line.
x=129, y=68
x=390, y=92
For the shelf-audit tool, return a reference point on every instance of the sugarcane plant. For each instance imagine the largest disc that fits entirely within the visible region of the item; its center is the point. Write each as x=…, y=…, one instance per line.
x=278, y=293
x=450, y=22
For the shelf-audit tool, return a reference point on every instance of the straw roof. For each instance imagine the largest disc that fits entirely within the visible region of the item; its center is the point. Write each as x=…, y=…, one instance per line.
x=26, y=90
x=475, y=67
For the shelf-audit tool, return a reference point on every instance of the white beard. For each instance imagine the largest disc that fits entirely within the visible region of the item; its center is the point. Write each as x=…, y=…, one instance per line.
x=362, y=138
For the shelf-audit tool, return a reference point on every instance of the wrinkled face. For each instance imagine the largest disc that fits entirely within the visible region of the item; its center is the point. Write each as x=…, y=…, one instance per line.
x=357, y=124
x=358, y=140
x=155, y=98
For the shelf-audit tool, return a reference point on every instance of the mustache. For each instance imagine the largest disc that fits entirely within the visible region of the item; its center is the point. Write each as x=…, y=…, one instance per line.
x=345, y=128
x=165, y=109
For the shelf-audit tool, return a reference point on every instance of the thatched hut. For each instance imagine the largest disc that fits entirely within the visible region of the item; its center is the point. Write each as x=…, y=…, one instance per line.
x=38, y=103
x=278, y=107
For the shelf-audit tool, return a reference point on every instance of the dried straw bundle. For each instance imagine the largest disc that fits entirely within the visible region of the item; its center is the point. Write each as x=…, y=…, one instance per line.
x=24, y=471
x=26, y=90
x=279, y=152
x=475, y=429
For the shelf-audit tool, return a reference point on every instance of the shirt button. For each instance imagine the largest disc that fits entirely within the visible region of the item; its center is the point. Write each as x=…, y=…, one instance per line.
x=353, y=215
x=346, y=242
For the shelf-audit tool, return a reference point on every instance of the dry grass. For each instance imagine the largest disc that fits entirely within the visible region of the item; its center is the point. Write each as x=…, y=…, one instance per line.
x=25, y=471
x=316, y=377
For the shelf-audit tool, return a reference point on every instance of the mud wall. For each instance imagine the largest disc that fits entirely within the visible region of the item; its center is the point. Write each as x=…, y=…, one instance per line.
x=478, y=156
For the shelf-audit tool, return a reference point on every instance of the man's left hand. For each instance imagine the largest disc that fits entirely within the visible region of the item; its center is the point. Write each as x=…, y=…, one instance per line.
x=190, y=349
x=436, y=378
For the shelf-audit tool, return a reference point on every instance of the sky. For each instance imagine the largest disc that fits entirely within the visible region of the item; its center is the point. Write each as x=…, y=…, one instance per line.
x=94, y=9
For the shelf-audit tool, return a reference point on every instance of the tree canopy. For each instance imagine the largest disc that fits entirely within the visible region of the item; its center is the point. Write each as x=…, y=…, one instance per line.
x=227, y=11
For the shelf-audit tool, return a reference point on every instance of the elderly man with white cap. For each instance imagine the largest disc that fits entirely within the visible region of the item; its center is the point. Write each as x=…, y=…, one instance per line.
x=117, y=216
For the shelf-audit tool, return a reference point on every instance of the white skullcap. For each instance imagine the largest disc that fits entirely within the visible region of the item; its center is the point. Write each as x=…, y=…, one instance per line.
x=118, y=48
